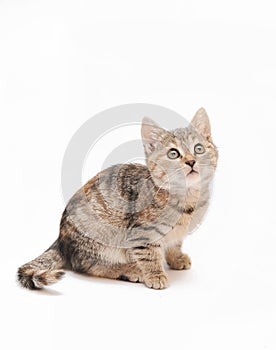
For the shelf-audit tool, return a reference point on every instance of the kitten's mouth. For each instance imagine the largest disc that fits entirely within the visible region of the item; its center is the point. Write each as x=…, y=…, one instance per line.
x=192, y=173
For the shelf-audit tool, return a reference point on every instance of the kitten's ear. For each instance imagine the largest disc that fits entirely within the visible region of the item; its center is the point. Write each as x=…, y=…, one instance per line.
x=152, y=134
x=201, y=123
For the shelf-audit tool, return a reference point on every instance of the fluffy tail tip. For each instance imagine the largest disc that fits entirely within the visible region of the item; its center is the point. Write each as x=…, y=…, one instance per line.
x=31, y=279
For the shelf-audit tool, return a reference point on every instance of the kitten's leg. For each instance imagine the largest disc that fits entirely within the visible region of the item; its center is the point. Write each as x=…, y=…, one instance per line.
x=150, y=260
x=125, y=272
x=176, y=259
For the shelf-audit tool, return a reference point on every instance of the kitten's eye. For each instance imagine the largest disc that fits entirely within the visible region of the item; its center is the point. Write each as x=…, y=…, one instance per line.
x=173, y=153
x=199, y=148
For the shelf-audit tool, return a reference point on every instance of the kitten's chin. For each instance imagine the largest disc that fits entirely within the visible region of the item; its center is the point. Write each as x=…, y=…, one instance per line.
x=192, y=175
x=192, y=178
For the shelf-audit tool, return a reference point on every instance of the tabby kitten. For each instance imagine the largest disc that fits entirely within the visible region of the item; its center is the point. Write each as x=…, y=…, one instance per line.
x=127, y=219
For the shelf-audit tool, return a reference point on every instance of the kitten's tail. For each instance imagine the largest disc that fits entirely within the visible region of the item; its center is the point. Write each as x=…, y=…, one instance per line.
x=42, y=271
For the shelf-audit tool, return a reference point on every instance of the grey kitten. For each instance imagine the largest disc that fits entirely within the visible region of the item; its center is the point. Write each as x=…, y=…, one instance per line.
x=124, y=221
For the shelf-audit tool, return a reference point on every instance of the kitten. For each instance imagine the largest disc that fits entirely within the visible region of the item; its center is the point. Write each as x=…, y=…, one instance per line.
x=129, y=218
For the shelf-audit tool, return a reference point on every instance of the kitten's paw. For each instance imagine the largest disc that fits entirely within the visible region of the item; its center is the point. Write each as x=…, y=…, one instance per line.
x=135, y=278
x=159, y=281
x=130, y=278
x=182, y=262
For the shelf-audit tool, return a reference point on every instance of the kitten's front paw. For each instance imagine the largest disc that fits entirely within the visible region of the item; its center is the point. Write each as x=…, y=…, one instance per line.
x=159, y=281
x=182, y=262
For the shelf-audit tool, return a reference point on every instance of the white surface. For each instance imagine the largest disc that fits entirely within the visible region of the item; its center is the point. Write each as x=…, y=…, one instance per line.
x=61, y=62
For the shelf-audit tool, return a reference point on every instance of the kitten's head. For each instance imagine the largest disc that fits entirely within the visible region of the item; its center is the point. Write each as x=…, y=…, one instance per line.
x=182, y=158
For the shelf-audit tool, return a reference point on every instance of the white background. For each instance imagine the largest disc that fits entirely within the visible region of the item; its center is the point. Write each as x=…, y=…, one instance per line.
x=63, y=61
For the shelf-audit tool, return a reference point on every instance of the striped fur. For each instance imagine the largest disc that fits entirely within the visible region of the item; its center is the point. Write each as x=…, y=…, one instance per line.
x=128, y=219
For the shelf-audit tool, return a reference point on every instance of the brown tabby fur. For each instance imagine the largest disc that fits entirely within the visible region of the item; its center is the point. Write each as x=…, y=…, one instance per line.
x=128, y=219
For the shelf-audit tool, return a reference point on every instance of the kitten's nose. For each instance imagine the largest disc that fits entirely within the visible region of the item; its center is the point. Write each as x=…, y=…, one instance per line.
x=190, y=162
